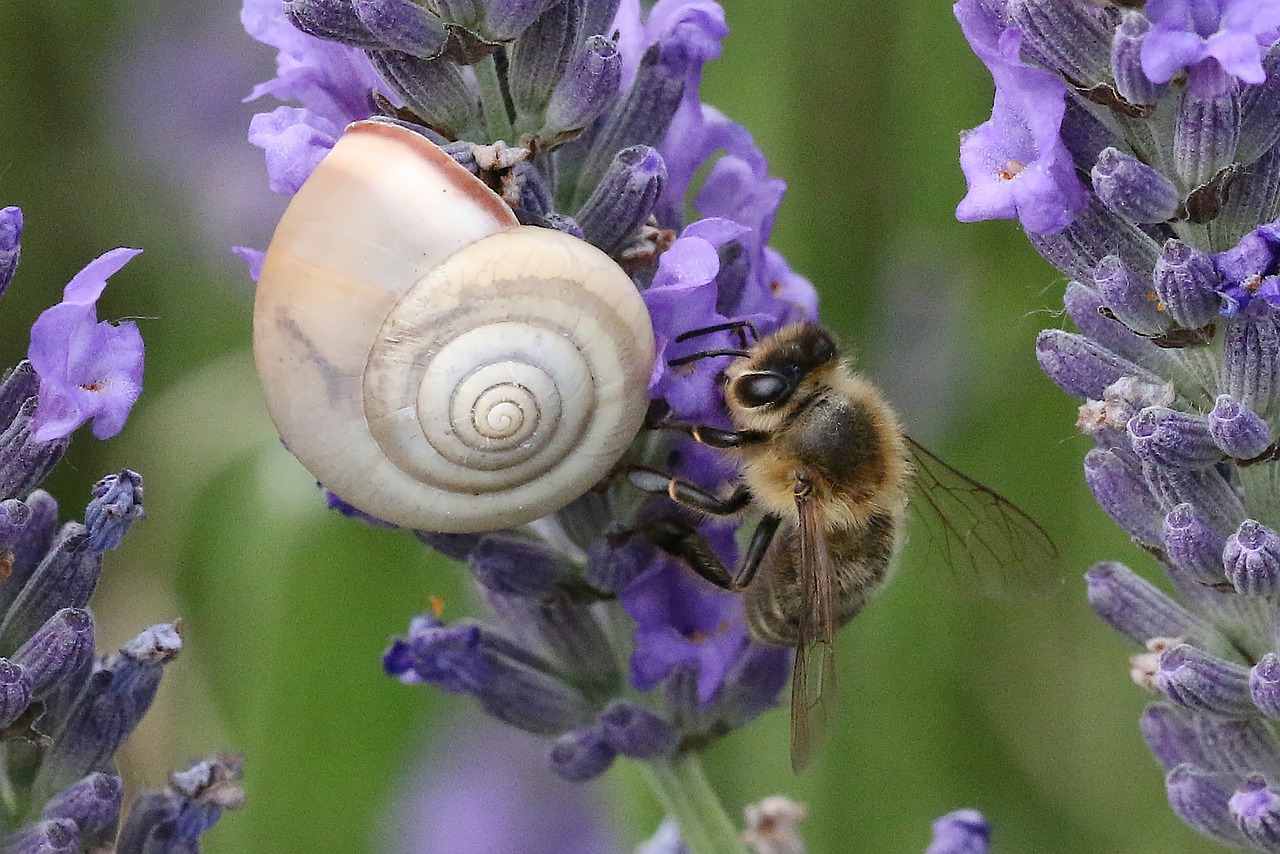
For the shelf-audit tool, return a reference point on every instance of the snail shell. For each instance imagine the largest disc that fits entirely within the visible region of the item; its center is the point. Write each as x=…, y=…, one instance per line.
x=431, y=361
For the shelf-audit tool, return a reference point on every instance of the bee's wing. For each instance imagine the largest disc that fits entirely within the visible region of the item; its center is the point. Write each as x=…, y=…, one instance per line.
x=990, y=543
x=814, y=675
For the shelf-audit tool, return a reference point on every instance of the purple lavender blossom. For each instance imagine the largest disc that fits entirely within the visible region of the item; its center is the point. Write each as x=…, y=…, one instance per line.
x=1176, y=261
x=550, y=659
x=1232, y=33
x=88, y=370
x=1016, y=164
x=63, y=712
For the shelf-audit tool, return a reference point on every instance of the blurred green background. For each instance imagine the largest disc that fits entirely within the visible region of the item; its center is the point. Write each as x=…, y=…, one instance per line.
x=121, y=124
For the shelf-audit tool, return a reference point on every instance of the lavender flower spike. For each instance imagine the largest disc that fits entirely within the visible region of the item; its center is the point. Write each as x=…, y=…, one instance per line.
x=64, y=718
x=1179, y=235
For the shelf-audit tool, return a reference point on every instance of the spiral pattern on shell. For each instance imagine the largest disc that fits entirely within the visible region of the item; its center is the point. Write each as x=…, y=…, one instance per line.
x=432, y=362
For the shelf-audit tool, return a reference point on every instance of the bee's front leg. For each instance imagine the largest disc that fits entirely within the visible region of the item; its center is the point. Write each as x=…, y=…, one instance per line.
x=713, y=437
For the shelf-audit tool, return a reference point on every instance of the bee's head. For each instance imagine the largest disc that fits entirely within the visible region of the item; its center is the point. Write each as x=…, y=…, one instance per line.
x=779, y=365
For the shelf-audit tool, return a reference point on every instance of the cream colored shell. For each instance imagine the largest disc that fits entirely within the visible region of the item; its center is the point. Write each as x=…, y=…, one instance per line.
x=431, y=361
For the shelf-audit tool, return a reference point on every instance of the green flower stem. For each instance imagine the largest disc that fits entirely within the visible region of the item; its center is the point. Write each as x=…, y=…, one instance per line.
x=687, y=796
x=492, y=101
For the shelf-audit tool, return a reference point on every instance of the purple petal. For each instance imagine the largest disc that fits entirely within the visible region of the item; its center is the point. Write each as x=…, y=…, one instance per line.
x=295, y=141
x=86, y=286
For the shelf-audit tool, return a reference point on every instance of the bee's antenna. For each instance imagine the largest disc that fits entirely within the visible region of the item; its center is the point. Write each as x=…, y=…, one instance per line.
x=704, y=354
x=739, y=326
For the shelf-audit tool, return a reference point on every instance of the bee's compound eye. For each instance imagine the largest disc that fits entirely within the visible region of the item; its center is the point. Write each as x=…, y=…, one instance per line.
x=754, y=390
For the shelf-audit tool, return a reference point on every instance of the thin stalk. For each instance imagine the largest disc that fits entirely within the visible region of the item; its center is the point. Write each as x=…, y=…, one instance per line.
x=687, y=796
x=493, y=101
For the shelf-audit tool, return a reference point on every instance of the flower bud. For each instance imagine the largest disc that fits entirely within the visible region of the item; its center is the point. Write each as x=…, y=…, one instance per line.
x=434, y=89
x=107, y=710
x=15, y=692
x=635, y=731
x=1133, y=189
x=504, y=20
x=93, y=803
x=1208, y=125
x=1064, y=34
x=1166, y=437
x=10, y=244
x=1256, y=807
x=48, y=836
x=588, y=88
x=1251, y=358
x=1200, y=799
x=539, y=60
x=1260, y=111
x=1137, y=609
x=1199, y=682
x=644, y=114
x=517, y=566
x=1126, y=60
x=1130, y=297
x=1120, y=488
x=66, y=578
x=61, y=649
x=1080, y=367
x=1187, y=284
x=1193, y=545
x=1170, y=736
x=403, y=25
x=624, y=199
x=117, y=501
x=1096, y=232
x=581, y=755
x=333, y=20
x=1238, y=430
x=958, y=832
x=1252, y=559
x=24, y=461
x=1264, y=685
x=512, y=684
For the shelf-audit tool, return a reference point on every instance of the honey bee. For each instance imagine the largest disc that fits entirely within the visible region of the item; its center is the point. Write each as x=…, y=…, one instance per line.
x=824, y=457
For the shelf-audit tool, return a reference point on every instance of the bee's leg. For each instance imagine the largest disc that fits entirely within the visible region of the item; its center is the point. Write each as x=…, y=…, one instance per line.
x=712, y=437
x=683, y=542
x=761, y=537
x=683, y=492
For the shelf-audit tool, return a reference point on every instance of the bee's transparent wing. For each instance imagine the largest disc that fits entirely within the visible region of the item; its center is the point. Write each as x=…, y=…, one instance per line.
x=814, y=675
x=990, y=544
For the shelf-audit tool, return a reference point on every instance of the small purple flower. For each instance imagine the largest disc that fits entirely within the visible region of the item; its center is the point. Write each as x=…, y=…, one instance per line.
x=87, y=369
x=1233, y=33
x=681, y=621
x=1250, y=269
x=295, y=141
x=960, y=832
x=1016, y=164
x=331, y=80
